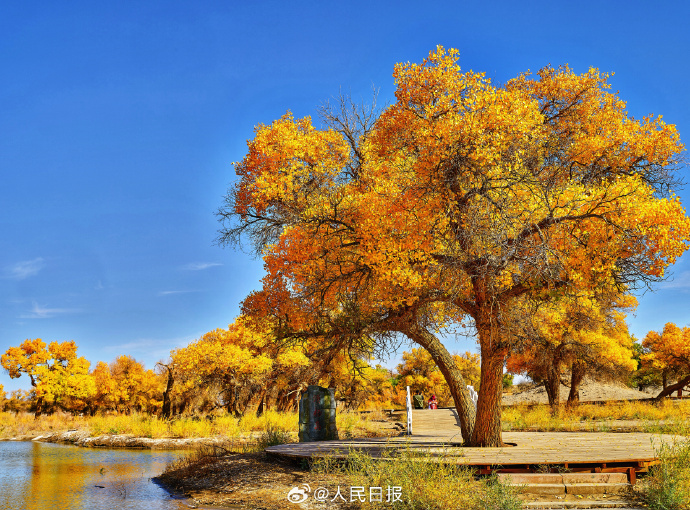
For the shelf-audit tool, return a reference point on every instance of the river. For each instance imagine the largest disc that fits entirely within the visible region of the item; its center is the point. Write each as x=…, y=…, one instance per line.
x=44, y=476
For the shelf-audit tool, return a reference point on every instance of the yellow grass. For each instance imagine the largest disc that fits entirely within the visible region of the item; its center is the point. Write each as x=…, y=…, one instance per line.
x=15, y=425
x=648, y=416
x=350, y=424
x=421, y=480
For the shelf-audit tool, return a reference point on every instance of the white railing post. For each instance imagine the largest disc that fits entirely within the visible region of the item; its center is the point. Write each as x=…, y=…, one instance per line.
x=408, y=403
x=473, y=395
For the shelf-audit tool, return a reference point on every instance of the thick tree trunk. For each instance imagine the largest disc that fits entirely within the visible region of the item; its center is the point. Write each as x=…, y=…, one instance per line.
x=260, y=409
x=166, y=411
x=446, y=364
x=673, y=387
x=577, y=374
x=231, y=405
x=552, y=385
x=39, y=400
x=39, y=407
x=487, y=430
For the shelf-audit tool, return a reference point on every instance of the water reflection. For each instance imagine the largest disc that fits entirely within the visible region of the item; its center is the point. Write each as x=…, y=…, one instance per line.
x=40, y=476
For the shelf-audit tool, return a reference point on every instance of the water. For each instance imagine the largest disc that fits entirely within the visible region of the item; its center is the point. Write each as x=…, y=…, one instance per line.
x=43, y=476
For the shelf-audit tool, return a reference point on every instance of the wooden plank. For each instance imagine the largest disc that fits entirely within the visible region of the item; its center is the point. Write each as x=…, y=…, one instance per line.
x=437, y=432
x=533, y=448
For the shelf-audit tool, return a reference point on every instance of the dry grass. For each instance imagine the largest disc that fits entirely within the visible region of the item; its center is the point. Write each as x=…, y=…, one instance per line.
x=143, y=425
x=350, y=424
x=423, y=482
x=22, y=424
x=224, y=476
x=650, y=417
x=667, y=486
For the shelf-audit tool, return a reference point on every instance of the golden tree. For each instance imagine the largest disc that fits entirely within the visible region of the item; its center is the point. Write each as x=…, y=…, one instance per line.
x=420, y=373
x=107, y=391
x=356, y=382
x=453, y=204
x=245, y=364
x=583, y=335
x=668, y=352
x=125, y=385
x=55, y=371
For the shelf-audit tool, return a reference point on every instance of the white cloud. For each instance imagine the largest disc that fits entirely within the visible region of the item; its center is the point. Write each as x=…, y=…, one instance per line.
x=24, y=269
x=172, y=292
x=200, y=266
x=42, y=312
x=99, y=286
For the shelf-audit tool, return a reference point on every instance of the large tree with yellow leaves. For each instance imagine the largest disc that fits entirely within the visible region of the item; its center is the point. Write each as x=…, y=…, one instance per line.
x=578, y=334
x=455, y=202
x=668, y=352
x=55, y=371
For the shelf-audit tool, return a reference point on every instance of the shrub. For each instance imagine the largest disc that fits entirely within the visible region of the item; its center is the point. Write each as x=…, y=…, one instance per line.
x=427, y=481
x=668, y=483
x=499, y=496
x=273, y=436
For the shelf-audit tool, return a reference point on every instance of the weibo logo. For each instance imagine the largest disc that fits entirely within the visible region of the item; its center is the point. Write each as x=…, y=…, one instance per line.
x=299, y=494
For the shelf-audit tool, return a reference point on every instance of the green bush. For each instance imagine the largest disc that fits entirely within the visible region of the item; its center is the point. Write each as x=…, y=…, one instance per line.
x=669, y=481
x=499, y=496
x=272, y=437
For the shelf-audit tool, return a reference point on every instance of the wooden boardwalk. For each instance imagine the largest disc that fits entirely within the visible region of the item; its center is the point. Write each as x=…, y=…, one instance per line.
x=437, y=433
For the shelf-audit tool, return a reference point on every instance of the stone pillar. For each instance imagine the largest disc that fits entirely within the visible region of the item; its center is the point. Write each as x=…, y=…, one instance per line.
x=317, y=415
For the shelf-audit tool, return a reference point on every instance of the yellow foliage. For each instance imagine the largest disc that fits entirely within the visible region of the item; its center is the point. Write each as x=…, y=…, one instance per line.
x=668, y=351
x=547, y=179
x=461, y=193
x=244, y=363
x=420, y=373
x=126, y=385
x=55, y=371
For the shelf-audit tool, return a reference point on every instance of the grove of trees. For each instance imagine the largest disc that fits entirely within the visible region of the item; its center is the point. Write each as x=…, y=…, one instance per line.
x=225, y=371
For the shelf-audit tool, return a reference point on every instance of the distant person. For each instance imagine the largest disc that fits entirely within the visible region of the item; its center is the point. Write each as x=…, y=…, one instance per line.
x=433, y=403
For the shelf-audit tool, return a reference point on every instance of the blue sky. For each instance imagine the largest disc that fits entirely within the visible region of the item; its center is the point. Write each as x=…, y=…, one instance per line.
x=119, y=124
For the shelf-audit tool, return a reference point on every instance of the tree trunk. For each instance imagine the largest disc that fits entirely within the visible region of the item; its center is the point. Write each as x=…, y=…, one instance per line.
x=166, y=411
x=577, y=374
x=446, y=364
x=260, y=409
x=673, y=387
x=552, y=385
x=487, y=430
x=39, y=400
x=39, y=407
